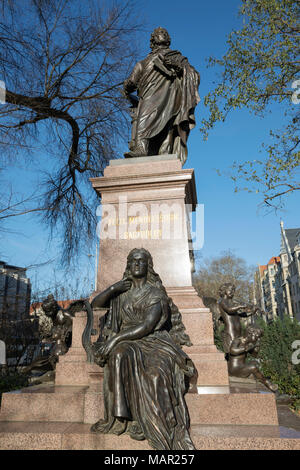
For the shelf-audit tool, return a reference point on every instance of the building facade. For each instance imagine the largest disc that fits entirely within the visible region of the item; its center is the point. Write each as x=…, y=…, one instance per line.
x=18, y=331
x=15, y=292
x=277, y=284
x=290, y=262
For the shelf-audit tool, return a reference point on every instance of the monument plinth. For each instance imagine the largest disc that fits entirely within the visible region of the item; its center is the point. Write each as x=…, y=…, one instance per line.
x=146, y=203
x=68, y=408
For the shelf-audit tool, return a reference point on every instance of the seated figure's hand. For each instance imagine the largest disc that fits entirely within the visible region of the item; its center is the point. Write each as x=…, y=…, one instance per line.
x=105, y=349
x=121, y=286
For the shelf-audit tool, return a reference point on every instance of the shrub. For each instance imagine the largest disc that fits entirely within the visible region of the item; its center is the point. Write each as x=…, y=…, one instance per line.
x=13, y=381
x=218, y=336
x=276, y=355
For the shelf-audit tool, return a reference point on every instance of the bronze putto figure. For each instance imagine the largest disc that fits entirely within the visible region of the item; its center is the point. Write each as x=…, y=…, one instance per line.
x=236, y=344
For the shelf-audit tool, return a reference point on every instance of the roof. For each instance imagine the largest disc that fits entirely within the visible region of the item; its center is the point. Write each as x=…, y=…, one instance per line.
x=62, y=303
x=262, y=269
x=291, y=235
x=10, y=266
x=274, y=260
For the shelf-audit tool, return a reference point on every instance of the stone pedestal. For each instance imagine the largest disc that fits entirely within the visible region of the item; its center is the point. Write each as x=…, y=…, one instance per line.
x=141, y=198
x=146, y=203
x=73, y=369
x=210, y=363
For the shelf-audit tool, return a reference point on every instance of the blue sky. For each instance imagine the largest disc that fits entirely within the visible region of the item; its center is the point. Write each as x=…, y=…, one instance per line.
x=232, y=220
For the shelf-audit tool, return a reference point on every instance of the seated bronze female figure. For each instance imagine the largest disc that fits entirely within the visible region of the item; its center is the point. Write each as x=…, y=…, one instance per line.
x=145, y=370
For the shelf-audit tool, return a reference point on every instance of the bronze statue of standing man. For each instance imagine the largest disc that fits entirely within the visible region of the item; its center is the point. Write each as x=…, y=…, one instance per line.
x=167, y=88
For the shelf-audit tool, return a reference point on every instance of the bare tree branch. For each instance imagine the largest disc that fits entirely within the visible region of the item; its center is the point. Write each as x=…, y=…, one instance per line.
x=63, y=63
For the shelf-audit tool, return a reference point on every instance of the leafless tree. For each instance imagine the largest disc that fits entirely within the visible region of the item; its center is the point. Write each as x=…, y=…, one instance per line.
x=227, y=267
x=63, y=63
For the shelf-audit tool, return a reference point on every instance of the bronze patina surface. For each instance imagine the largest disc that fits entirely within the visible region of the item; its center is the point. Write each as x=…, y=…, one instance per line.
x=146, y=372
x=163, y=113
x=237, y=345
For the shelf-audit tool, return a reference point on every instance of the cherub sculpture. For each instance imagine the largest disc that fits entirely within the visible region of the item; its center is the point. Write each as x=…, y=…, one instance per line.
x=239, y=349
x=236, y=345
x=55, y=326
x=231, y=313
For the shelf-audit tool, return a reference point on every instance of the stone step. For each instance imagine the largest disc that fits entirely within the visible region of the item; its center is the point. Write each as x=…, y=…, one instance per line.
x=44, y=403
x=232, y=409
x=83, y=404
x=208, y=357
x=210, y=372
x=202, y=349
x=77, y=436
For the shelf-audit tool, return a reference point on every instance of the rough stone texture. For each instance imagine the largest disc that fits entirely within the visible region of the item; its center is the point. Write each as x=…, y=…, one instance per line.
x=210, y=363
x=59, y=417
x=93, y=406
x=149, y=181
x=44, y=403
x=186, y=297
x=132, y=161
x=94, y=400
x=31, y=435
x=72, y=368
x=152, y=165
x=244, y=443
x=142, y=187
x=210, y=372
x=85, y=404
x=77, y=436
x=233, y=408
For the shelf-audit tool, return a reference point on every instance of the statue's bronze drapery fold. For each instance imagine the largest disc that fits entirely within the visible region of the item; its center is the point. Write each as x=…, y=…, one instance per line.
x=167, y=87
x=146, y=372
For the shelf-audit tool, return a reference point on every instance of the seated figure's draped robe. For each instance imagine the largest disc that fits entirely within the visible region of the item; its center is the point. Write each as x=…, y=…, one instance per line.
x=144, y=379
x=165, y=102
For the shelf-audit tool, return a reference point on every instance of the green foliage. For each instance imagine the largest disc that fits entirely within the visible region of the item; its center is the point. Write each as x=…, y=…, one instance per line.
x=218, y=336
x=276, y=355
x=260, y=68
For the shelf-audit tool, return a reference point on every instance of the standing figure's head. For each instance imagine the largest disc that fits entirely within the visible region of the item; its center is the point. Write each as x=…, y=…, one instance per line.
x=159, y=38
x=227, y=289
